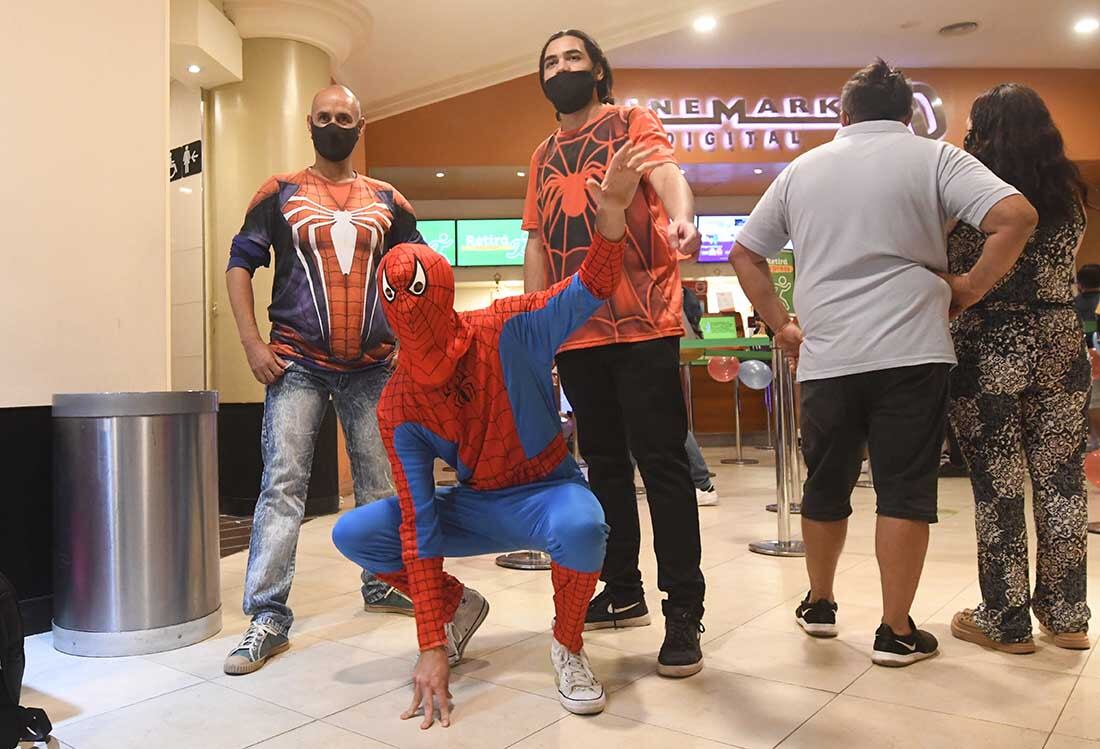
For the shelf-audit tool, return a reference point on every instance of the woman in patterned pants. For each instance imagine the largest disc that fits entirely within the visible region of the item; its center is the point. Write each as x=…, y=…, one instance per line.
x=1020, y=392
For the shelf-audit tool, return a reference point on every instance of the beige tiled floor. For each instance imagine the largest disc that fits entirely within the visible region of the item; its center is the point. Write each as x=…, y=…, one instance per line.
x=345, y=680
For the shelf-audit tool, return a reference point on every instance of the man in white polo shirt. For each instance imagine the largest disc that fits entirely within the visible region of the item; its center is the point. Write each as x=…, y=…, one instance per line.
x=867, y=215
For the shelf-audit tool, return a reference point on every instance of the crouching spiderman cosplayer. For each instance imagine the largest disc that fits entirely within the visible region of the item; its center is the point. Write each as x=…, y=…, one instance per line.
x=475, y=390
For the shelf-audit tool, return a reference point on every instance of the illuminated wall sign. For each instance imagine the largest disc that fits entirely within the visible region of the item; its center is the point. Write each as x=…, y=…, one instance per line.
x=744, y=124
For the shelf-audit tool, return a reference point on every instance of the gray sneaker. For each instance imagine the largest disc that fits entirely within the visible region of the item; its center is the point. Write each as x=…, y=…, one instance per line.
x=259, y=643
x=470, y=614
x=394, y=602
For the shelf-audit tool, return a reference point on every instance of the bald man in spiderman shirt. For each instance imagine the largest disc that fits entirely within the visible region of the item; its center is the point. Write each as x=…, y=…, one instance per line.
x=474, y=389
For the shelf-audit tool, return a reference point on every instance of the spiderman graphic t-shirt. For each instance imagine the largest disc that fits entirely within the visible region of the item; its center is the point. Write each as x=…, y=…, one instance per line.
x=647, y=304
x=328, y=239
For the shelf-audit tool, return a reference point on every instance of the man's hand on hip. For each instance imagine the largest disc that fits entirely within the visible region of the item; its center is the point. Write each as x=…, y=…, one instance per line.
x=265, y=364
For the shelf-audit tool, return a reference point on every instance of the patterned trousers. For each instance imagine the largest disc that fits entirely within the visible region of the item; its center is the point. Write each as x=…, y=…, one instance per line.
x=1018, y=403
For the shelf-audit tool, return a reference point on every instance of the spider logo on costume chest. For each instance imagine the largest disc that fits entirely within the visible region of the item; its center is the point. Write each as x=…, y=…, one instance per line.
x=462, y=390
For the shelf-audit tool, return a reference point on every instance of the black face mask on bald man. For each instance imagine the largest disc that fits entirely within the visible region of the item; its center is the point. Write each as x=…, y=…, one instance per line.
x=333, y=142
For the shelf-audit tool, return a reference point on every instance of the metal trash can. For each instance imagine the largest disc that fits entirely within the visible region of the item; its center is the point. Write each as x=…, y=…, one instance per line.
x=136, y=564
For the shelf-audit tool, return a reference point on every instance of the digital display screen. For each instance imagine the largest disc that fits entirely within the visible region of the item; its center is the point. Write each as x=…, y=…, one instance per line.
x=491, y=242
x=723, y=326
x=440, y=236
x=717, y=235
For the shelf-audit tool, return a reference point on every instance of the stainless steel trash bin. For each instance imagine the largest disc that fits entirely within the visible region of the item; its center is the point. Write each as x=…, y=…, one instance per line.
x=136, y=565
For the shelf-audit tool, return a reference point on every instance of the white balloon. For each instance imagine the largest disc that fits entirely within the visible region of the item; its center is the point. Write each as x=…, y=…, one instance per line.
x=755, y=374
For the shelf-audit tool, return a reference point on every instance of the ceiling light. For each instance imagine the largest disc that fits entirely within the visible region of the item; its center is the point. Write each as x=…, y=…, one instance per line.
x=194, y=68
x=521, y=174
x=757, y=171
x=705, y=24
x=441, y=174
x=1086, y=25
x=959, y=29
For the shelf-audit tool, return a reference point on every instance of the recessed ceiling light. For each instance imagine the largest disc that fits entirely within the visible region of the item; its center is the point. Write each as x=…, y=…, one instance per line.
x=959, y=29
x=194, y=69
x=704, y=24
x=521, y=174
x=1086, y=25
x=757, y=171
x=441, y=174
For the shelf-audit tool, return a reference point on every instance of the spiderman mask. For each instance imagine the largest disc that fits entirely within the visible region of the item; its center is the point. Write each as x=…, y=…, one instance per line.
x=418, y=287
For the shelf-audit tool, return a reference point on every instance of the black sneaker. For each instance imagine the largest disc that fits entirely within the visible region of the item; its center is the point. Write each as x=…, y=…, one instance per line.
x=605, y=613
x=895, y=650
x=818, y=618
x=680, y=654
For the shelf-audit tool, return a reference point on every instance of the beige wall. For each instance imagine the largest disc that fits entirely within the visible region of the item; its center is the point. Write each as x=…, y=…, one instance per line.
x=84, y=151
x=255, y=128
x=185, y=207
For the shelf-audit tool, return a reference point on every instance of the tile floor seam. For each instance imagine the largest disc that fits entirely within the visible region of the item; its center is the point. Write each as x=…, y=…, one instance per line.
x=544, y=728
x=176, y=691
x=1061, y=712
x=772, y=681
x=941, y=712
x=633, y=720
x=231, y=679
x=298, y=728
x=811, y=717
x=360, y=704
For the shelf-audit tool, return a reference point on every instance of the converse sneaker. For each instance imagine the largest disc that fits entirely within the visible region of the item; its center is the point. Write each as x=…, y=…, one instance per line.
x=469, y=616
x=706, y=498
x=579, y=691
x=680, y=654
x=818, y=619
x=606, y=613
x=394, y=602
x=260, y=642
x=895, y=650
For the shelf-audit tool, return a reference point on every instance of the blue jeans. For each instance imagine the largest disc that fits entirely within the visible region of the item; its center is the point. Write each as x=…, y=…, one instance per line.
x=700, y=473
x=293, y=409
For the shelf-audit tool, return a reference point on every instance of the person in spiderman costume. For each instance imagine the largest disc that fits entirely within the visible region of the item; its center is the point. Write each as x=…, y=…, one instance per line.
x=474, y=389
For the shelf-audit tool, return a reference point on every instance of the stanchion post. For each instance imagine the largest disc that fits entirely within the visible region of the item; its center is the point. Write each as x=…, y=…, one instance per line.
x=786, y=456
x=740, y=460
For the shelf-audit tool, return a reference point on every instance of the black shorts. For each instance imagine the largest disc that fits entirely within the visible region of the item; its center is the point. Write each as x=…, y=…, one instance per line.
x=898, y=417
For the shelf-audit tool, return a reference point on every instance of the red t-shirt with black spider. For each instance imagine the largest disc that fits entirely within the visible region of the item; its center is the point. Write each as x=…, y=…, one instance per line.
x=648, y=305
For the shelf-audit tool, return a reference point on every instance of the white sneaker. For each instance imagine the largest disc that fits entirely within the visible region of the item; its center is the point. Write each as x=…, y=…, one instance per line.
x=470, y=614
x=706, y=499
x=579, y=691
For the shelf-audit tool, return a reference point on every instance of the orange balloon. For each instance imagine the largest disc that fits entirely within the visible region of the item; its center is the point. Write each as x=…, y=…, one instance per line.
x=724, y=368
x=1092, y=467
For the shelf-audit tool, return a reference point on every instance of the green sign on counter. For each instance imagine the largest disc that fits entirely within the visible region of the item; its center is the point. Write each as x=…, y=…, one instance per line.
x=782, y=268
x=719, y=326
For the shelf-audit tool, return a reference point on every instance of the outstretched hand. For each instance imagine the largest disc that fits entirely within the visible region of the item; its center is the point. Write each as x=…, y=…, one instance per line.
x=431, y=689
x=624, y=173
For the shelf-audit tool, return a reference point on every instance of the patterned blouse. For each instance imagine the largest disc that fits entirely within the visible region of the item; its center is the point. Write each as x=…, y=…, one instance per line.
x=1045, y=273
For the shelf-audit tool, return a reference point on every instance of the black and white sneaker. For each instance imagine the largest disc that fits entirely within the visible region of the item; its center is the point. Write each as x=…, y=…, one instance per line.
x=817, y=618
x=681, y=655
x=606, y=613
x=896, y=650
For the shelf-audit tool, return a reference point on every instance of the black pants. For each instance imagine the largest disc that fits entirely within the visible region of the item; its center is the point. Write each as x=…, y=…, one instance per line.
x=627, y=399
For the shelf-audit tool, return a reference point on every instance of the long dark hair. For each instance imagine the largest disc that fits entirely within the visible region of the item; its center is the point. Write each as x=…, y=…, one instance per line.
x=1012, y=133
x=603, y=87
